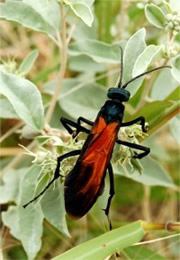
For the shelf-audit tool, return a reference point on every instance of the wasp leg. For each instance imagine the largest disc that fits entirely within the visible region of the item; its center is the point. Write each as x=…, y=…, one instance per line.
x=145, y=150
x=88, y=122
x=56, y=173
x=142, y=123
x=111, y=194
x=67, y=123
x=82, y=119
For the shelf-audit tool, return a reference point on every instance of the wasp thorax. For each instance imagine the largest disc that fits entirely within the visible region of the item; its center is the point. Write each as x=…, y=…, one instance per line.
x=118, y=94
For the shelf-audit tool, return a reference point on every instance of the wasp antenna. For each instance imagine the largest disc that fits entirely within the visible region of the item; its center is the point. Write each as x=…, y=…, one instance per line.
x=121, y=69
x=142, y=74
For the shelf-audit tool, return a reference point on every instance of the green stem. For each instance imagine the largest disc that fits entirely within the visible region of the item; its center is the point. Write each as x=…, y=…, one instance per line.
x=168, y=226
x=154, y=226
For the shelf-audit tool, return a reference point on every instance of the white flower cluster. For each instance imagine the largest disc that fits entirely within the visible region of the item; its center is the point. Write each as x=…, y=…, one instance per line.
x=123, y=155
x=173, y=22
x=9, y=66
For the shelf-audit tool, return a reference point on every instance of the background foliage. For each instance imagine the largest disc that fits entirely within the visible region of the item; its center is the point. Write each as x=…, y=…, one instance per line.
x=58, y=58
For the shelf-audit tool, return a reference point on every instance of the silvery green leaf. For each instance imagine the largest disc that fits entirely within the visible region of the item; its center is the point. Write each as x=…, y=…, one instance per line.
x=24, y=97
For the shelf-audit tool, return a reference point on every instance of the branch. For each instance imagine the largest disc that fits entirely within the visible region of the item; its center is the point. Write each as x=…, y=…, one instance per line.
x=155, y=240
x=18, y=158
x=62, y=70
x=11, y=131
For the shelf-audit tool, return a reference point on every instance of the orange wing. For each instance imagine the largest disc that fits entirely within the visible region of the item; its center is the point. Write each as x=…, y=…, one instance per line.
x=85, y=182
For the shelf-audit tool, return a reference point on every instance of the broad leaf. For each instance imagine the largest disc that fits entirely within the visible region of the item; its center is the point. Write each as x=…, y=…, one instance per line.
x=11, y=220
x=174, y=95
x=174, y=124
x=98, y=51
x=85, y=63
x=176, y=68
x=48, y=10
x=131, y=53
x=17, y=11
x=30, y=229
x=145, y=58
x=82, y=102
x=28, y=62
x=141, y=65
x=155, y=15
x=27, y=186
x=153, y=174
x=7, y=110
x=157, y=151
x=42, y=181
x=25, y=99
x=26, y=224
x=9, y=189
x=82, y=11
x=163, y=85
x=78, y=99
x=52, y=205
x=30, y=218
x=59, y=112
x=82, y=31
x=105, y=245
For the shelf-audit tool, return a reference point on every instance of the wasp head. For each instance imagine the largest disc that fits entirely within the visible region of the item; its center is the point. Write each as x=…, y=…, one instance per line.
x=118, y=94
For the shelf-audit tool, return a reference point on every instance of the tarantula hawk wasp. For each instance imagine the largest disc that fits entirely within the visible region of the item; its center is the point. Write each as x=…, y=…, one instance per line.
x=85, y=182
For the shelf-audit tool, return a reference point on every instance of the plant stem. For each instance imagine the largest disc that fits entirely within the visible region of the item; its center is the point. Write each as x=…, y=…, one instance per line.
x=11, y=131
x=10, y=151
x=91, y=80
x=169, y=226
x=146, y=202
x=62, y=70
x=155, y=240
x=70, y=33
x=173, y=226
x=57, y=42
x=18, y=158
